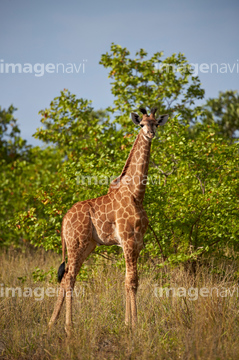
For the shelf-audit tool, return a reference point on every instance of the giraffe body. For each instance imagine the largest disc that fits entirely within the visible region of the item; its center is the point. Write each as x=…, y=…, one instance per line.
x=117, y=218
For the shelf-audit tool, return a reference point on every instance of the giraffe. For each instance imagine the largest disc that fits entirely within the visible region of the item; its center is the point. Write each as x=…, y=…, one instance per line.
x=117, y=218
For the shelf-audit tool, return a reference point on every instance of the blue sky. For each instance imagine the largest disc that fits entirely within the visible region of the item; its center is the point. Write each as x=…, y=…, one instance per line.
x=78, y=32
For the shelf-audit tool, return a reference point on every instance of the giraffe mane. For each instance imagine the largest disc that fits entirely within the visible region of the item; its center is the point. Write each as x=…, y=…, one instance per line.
x=129, y=158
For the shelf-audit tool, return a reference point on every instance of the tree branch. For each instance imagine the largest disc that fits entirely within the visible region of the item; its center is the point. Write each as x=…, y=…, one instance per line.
x=156, y=238
x=202, y=185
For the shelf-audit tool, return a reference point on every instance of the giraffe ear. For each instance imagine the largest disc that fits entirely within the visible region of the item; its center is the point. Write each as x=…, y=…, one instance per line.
x=162, y=119
x=135, y=118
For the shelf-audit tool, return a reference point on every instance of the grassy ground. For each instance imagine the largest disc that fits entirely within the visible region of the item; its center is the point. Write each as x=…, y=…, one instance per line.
x=170, y=327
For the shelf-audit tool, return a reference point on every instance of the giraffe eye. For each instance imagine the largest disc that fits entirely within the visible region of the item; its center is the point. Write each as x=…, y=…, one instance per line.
x=141, y=125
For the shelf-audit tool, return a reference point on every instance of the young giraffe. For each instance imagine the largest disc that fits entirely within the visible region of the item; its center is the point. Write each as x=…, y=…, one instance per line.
x=117, y=218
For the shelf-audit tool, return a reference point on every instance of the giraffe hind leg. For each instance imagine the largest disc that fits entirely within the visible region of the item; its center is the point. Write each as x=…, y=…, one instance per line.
x=69, y=280
x=57, y=308
x=61, y=297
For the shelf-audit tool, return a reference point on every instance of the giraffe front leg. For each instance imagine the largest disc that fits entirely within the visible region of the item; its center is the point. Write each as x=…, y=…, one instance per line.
x=133, y=290
x=128, y=306
x=131, y=283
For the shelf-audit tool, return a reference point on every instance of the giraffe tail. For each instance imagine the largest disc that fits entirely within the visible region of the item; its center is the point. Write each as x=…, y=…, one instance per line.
x=62, y=267
x=61, y=272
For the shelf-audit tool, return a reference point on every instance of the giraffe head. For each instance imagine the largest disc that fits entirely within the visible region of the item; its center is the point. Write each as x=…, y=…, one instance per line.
x=148, y=122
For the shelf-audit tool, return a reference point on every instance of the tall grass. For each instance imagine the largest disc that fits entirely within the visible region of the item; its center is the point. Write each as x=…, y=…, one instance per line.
x=170, y=327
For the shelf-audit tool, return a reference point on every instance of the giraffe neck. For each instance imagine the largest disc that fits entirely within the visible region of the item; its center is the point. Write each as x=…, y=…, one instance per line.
x=135, y=171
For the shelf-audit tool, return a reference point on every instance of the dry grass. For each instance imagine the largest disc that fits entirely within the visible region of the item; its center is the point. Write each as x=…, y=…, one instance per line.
x=169, y=327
